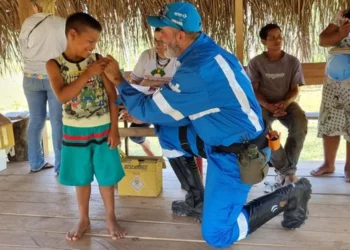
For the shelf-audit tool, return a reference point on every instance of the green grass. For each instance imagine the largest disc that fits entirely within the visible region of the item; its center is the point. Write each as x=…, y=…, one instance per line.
x=13, y=99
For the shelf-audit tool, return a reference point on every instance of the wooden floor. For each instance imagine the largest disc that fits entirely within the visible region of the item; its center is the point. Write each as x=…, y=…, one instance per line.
x=36, y=212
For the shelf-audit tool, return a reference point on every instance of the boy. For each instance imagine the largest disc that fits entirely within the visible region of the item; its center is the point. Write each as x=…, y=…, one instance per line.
x=90, y=128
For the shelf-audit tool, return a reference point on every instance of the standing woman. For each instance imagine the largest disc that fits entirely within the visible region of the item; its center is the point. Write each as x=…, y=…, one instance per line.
x=42, y=37
x=334, y=118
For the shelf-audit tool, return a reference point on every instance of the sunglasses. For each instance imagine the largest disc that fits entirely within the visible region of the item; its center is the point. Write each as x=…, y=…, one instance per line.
x=161, y=15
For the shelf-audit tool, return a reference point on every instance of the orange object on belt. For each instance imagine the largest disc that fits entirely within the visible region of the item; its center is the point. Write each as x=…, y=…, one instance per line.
x=274, y=140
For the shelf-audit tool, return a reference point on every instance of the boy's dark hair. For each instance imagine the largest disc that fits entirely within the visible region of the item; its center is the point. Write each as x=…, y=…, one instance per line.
x=347, y=14
x=265, y=30
x=157, y=29
x=80, y=21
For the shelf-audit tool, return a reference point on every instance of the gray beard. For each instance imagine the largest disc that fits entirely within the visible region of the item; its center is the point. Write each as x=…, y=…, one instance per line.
x=171, y=52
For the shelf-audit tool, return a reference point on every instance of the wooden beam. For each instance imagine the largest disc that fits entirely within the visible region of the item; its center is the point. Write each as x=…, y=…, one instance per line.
x=314, y=73
x=137, y=132
x=239, y=28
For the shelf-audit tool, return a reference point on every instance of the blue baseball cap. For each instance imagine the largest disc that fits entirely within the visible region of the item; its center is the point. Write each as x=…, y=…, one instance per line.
x=179, y=15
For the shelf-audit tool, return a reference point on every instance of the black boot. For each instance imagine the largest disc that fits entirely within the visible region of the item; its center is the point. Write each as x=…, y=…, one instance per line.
x=178, y=165
x=187, y=172
x=291, y=199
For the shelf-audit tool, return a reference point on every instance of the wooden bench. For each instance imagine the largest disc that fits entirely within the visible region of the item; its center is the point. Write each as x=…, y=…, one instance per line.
x=126, y=132
x=312, y=115
x=314, y=73
x=136, y=132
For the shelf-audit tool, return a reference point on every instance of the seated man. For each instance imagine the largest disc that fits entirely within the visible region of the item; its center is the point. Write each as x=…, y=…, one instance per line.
x=276, y=77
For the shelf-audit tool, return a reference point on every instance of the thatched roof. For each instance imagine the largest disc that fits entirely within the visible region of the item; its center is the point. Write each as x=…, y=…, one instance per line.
x=9, y=25
x=126, y=30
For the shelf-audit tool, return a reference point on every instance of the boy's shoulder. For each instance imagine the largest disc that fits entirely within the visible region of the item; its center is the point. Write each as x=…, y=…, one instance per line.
x=58, y=61
x=58, y=58
x=63, y=60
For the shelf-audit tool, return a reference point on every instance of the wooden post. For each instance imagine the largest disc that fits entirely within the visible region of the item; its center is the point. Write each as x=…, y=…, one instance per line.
x=239, y=28
x=24, y=10
x=126, y=140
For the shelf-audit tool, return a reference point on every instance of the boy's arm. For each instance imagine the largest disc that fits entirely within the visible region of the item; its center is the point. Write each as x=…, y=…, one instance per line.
x=114, y=139
x=65, y=93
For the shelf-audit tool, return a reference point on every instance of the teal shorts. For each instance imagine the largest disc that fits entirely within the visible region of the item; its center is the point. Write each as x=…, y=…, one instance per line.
x=85, y=153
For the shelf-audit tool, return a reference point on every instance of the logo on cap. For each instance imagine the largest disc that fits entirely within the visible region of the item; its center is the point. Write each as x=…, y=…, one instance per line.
x=177, y=22
x=180, y=15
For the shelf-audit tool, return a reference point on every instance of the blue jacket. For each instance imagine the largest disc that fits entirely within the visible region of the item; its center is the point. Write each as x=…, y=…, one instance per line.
x=210, y=89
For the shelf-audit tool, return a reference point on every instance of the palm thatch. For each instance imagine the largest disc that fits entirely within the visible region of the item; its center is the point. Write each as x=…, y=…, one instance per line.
x=9, y=31
x=126, y=31
x=301, y=21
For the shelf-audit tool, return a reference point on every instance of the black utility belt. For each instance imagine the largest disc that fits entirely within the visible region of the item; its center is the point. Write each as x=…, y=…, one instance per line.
x=261, y=142
x=252, y=160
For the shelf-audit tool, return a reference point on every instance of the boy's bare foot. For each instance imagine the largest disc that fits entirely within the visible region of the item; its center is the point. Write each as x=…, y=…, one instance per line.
x=114, y=229
x=77, y=232
x=323, y=169
x=347, y=173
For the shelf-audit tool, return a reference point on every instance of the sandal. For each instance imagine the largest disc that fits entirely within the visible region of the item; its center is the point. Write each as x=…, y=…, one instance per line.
x=47, y=165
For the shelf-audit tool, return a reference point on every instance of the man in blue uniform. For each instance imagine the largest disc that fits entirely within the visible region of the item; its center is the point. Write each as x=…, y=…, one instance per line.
x=211, y=90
